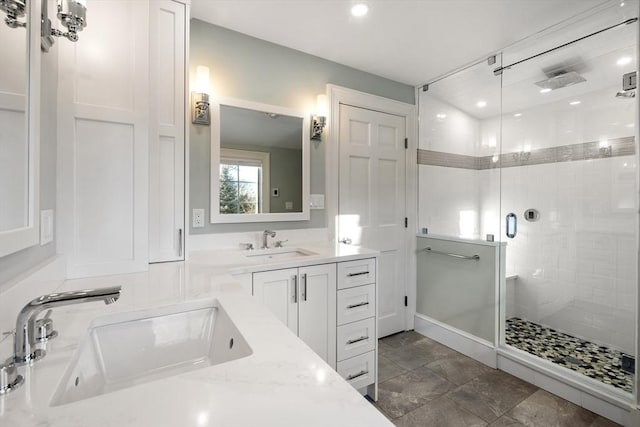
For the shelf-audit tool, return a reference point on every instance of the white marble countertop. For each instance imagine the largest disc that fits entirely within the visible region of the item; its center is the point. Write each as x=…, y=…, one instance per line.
x=282, y=383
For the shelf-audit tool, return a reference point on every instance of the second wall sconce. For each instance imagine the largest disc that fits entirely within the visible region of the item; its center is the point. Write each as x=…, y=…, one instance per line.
x=319, y=119
x=72, y=14
x=200, y=112
x=14, y=9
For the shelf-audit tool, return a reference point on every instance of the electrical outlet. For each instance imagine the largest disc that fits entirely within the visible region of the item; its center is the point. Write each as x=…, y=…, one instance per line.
x=46, y=227
x=198, y=218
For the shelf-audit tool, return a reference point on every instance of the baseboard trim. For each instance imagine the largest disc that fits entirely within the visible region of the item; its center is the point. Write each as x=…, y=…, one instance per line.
x=474, y=347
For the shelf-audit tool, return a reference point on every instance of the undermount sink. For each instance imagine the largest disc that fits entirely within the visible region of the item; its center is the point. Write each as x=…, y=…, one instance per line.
x=128, y=349
x=279, y=253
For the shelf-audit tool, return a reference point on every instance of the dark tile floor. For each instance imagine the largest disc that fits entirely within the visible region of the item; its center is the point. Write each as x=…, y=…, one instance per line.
x=423, y=383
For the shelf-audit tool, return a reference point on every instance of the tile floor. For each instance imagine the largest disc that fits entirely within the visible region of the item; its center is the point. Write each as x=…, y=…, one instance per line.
x=423, y=383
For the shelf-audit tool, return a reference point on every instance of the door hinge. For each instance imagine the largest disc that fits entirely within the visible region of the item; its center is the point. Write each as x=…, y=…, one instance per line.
x=406, y=301
x=406, y=143
x=406, y=222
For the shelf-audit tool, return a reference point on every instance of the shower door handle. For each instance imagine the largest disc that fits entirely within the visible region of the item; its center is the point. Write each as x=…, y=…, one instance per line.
x=511, y=225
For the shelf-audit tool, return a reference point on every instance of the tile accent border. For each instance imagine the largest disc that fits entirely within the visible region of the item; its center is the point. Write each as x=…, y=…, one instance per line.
x=564, y=153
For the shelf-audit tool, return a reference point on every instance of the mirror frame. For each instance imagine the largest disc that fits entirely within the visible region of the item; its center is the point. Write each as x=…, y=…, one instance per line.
x=21, y=238
x=216, y=217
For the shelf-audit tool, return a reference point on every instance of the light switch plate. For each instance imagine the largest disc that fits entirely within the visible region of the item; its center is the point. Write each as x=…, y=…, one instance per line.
x=316, y=201
x=198, y=218
x=46, y=227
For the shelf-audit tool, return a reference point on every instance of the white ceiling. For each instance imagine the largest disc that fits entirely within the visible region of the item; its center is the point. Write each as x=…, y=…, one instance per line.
x=410, y=41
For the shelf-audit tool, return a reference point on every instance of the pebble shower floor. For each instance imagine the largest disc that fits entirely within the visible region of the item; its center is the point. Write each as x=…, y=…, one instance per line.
x=594, y=361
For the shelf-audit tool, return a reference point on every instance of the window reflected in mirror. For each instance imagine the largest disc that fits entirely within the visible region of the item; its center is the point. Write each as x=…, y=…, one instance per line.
x=243, y=187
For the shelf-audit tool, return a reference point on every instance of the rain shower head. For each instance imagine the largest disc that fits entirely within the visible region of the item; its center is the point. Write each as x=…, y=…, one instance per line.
x=626, y=94
x=569, y=78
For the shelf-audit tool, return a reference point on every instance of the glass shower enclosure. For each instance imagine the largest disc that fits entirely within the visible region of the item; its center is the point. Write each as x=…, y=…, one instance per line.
x=536, y=149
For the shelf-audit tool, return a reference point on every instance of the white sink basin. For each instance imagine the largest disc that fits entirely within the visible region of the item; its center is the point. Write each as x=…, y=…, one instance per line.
x=278, y=254
x=124, y=350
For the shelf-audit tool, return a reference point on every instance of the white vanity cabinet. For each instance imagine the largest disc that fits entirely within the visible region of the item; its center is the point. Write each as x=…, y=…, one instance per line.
x=304, y=299
x=332, y=308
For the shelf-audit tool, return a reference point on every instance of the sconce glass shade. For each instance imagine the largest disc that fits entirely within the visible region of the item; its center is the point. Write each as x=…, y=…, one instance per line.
x=201, y=84
x=321, y=105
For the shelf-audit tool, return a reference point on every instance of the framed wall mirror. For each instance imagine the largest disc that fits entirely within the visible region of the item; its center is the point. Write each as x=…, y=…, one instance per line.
x=19, y=124
x=259, y=163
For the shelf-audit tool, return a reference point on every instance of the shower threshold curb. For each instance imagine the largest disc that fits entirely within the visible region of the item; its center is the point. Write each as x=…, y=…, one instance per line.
x=591, y=394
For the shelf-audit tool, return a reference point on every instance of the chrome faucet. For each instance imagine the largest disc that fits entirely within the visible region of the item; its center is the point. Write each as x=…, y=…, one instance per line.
x=265, y=236
x=25, y=339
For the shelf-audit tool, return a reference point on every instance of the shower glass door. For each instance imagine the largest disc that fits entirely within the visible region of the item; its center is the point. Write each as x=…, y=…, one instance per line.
x=568, y=173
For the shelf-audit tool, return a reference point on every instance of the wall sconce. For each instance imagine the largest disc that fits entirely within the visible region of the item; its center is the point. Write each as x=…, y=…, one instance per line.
x=14, y=9
x=319, y=119
x=72, y=14
x=523, y=155
x=605, y=148
x=200, y=113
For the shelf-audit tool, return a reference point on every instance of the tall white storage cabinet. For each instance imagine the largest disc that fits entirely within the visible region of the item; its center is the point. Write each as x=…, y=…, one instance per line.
x=113, y=120
x=167, y=44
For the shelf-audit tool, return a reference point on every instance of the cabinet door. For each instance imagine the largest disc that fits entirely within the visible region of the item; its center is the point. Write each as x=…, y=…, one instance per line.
x=278, y=291
x=317, y=309
x=167, y=133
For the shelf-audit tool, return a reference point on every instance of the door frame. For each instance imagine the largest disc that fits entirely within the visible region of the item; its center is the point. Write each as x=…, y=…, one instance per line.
x=340, y=95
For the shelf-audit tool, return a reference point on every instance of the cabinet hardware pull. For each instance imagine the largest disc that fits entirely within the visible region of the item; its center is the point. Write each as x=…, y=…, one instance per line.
x=362, y=338
x=180, y=242
x=359, y=374
x=294, y=281
x=358, y=305
x=304, y=287
x=357, y=274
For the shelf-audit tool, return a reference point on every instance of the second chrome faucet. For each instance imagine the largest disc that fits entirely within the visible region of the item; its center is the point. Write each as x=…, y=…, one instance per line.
x=265, y=236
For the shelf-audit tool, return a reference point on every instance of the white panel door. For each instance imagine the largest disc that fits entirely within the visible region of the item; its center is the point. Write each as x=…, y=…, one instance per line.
x=372, y=206
x=103, y=142
x=167, y=140
x=317, y=309
x=278, y=291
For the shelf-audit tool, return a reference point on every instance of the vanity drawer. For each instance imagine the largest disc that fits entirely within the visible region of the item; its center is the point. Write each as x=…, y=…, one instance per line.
x=356, y=303
x=356, y=338
x=359, y=371
x=356, y=273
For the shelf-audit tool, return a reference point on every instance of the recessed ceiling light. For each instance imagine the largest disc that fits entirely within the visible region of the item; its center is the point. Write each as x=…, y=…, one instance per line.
x=517, y=115
x=574, y=103
x=624, y=60
x=481, y=104
x=441, y=116
x=359, y=9
x=545, y=90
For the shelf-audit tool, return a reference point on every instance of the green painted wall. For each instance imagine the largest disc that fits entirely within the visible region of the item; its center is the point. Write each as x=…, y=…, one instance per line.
x=247, y=68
